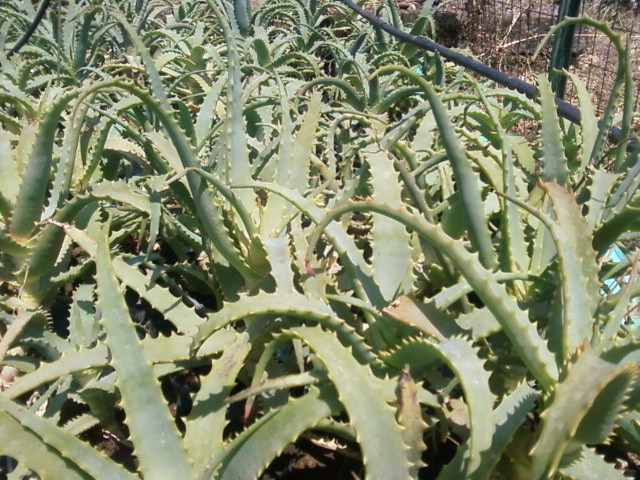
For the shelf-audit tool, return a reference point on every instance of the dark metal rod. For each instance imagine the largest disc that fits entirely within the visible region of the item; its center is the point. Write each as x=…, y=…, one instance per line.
x=562, y=47
x=32, y=28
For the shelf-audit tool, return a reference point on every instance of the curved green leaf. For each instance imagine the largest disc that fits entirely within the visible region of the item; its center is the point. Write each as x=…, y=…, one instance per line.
x=49, y=450
x=252, y=451
x=289, y=304
x=514, y=321
x=463, y=360
x=151, y=427
x=584, y=406
x=383, y=450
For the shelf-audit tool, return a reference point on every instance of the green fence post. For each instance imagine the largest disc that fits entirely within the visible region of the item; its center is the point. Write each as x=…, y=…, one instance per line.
x=562, y=44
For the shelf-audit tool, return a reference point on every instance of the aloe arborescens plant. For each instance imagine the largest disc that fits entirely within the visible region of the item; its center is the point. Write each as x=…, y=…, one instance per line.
x=362, y=256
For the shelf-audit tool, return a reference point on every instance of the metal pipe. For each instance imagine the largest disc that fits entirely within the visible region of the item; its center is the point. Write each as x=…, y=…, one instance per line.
x=44, y=5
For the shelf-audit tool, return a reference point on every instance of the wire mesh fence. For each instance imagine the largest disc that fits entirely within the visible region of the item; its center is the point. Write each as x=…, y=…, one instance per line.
x=506, y=33
x=596, y=58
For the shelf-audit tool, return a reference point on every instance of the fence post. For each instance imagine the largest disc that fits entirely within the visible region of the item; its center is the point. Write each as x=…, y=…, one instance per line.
x=562, y=45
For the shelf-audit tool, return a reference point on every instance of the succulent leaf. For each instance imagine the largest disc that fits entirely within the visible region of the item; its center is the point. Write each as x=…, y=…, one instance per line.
x=589, y=381
x=207, y=420
x=468, y=368
x=391, y=257
x=554, y=161
x=577, y=266
x=139, y=388
x=249, y=453
x=49, y=450
x=409, y=416
x=384, y=453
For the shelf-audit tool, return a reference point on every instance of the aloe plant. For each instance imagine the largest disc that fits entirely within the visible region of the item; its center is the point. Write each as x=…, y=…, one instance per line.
x=331, y=242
